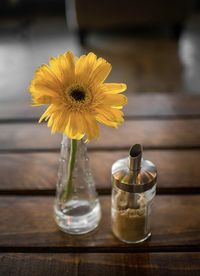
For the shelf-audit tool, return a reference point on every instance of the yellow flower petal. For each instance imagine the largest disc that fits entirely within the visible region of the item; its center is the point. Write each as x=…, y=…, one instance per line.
x=46, y=76
x=49, y=111
x=73, y=128
x=110, y=116
x=100, y=61
x=80, y=63
x=63, y=67
x=85, y=65
x=41, y=101
x=102, y=119
x=113, y=88
x=42, y=94
x=60, y=121
x=113, y=100
x=50, y=120
x=44, y=87
x=100, y=73
x=92, y=129
x=40, y=89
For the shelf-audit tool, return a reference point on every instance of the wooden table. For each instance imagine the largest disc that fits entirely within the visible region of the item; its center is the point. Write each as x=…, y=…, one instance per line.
x=30, y=242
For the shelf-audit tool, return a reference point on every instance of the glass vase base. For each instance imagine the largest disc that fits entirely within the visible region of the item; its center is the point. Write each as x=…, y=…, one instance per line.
x=78, y=218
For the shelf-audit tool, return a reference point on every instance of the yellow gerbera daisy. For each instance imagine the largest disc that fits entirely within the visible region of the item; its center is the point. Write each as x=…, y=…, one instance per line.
x=77, y=96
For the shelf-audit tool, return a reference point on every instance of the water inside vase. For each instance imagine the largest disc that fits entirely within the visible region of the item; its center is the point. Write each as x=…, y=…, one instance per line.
x=79, y=216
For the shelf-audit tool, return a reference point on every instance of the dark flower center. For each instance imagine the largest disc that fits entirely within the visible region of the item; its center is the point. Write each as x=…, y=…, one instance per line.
x=78, y=95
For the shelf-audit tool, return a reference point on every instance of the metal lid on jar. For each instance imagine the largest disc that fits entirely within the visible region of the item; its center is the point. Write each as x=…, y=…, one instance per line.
x=134, y=174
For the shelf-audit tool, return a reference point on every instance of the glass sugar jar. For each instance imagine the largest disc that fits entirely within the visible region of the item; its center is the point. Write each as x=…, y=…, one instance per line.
x=133, y=189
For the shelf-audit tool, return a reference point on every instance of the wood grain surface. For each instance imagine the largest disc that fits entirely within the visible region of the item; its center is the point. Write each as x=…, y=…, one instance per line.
x=28, y=173
x=27, y=224
x=150, y=133
x=148, y=264
x=168, y=127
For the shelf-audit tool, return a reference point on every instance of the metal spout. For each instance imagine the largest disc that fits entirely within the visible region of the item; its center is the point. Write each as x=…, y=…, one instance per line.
x=135, y=156
x=134, y=174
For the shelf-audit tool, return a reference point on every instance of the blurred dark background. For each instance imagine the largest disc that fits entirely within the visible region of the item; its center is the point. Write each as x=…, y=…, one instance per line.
x=153, y=45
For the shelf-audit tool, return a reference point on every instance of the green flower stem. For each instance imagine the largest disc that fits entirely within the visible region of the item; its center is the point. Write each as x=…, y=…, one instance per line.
x=71, y=164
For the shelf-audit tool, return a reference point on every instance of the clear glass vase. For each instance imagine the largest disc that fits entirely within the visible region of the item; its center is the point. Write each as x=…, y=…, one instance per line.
x=77, y=208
